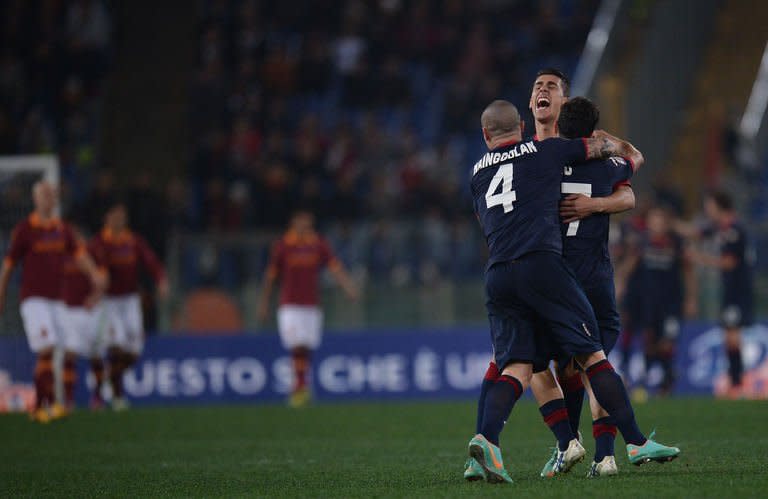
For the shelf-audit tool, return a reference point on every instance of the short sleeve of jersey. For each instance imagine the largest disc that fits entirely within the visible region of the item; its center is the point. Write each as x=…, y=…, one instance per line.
x=621, y=171
x=19, y=244
x=566, y=151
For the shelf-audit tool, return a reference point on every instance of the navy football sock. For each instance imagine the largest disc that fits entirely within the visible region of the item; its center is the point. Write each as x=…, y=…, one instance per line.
x=488, y=380
x=556, y=416
x=499, y=401
x=612, y=395
x=604, y=431
x=573, y=394
x=735, y=366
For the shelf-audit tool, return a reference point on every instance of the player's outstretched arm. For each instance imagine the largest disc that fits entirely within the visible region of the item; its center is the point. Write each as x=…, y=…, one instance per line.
x=99, y=278
x=604, y=145
x=578, y=206
x=345, y=281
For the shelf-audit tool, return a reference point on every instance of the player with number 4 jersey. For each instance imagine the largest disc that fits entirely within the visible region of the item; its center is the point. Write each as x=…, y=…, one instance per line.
x=516, y=194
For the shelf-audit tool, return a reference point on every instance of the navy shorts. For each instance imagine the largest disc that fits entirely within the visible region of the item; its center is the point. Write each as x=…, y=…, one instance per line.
x=538, y=288
x=602, y=298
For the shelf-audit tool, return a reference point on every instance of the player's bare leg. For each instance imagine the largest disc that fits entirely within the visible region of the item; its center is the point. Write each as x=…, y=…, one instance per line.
x=735, y=363
x=97, y=368
x=301, y=358
x=610, y=392
x=549, y=397
x=604, y=431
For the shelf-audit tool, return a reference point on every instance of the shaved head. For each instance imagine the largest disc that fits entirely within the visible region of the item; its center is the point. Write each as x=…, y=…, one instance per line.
x=500, y=118
x=44, y=197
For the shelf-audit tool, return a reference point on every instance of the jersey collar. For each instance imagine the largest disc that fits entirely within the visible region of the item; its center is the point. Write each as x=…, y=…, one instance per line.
x=115, y=237
x=38, y=223
x=293, y=238
x=506, y=144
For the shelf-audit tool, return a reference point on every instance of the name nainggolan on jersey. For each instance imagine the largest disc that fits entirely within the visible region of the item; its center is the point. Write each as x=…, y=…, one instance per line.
x=493, y=158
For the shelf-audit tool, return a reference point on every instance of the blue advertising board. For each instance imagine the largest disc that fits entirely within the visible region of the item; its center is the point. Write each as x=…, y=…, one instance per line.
x=368, y=364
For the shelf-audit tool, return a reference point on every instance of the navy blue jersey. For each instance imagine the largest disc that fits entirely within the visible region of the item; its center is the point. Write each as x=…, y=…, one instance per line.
x=737, y=282
x=516, y=193
x=661, y=269
x=585, y=242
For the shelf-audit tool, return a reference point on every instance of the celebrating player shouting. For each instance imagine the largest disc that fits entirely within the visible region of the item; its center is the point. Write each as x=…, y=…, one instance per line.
x=41, y=243
x=125, y=254
x=516, y=193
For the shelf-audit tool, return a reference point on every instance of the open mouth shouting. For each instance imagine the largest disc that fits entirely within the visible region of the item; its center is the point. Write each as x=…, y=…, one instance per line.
x=542, y=102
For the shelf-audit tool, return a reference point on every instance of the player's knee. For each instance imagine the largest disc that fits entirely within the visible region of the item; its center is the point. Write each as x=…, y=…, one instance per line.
x=523, y=372
x=588, y=359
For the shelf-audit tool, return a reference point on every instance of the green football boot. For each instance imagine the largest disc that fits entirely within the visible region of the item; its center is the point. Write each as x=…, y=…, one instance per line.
x=488, y=456
x=549, y=469
x=473, y=471
x=651, y=451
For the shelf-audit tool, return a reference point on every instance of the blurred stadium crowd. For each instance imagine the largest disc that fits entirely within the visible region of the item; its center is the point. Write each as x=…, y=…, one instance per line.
x=366, y=113
x=296, y=104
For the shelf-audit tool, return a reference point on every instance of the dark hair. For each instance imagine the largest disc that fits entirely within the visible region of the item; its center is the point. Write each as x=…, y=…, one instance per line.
x=566, y=84
x=722, y=199
x=578, y=118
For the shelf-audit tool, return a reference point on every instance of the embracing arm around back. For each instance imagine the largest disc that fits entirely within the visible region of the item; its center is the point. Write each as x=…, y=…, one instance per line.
x=604, y=145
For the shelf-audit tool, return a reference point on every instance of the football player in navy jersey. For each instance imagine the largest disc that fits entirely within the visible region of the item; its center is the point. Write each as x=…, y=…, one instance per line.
x=585, y=249
x=736, y=264
x=516, y=194
x=669, y=289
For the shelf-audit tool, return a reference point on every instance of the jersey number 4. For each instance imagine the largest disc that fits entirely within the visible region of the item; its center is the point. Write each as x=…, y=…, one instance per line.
x=575, y=188
x=506, y=196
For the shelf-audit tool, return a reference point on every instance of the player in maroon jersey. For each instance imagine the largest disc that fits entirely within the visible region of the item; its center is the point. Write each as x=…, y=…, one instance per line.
x=297, y=259
x=42, y=243
x=82, y=321
x=125, y=255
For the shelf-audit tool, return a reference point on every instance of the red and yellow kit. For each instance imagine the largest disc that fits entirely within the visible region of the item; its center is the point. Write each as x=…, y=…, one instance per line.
x=42, y=248
x=76, y=285
x=297, y=261
x=122, y=255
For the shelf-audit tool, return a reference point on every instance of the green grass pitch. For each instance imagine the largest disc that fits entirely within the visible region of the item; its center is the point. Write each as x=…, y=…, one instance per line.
x=365, y=450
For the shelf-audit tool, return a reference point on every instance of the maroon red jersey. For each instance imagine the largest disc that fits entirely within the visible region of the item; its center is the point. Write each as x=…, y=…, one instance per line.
x=76, y=285
x=42, y=248
x=297, y=262
x=123, y=255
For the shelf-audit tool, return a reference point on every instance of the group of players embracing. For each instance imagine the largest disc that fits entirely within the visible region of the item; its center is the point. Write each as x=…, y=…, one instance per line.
x=80, y=297
x=549, y=280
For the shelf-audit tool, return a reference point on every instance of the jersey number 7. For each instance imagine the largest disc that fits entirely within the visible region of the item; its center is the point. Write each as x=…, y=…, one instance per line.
x=507, y=196
x=575, y=188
